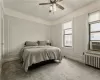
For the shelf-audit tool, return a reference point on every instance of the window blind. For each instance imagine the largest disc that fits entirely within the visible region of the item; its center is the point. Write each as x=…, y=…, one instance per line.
x=95, y=16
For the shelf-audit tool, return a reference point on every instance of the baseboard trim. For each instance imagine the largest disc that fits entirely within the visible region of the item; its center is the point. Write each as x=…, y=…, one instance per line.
x=16, y=58
x=10, y=59
x=74, y=59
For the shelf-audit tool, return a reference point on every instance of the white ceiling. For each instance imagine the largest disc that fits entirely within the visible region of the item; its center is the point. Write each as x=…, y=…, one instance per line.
x=32, y=7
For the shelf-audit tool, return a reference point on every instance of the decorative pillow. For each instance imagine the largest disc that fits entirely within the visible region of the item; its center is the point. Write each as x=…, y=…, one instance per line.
x=31, y=43
x=42, y=43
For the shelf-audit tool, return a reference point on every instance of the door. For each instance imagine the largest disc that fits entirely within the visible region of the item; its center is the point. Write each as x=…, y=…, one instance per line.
x=0, y=31
x=0, y=39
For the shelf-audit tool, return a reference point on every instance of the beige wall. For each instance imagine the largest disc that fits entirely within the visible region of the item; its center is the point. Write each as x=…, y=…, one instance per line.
x=17, y=31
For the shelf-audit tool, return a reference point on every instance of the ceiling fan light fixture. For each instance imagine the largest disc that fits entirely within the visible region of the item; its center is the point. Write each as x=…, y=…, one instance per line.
x=54, y=7
x=51, y=8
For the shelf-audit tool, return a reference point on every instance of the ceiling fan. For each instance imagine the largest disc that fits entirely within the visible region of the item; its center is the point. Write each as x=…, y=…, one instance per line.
x=53, y=4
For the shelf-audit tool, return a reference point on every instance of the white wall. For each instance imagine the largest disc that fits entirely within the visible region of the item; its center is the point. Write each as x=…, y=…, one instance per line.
x=20, y=15
x=0, y=31
x=1, y=13
x=17, y=31
x=0, y=40
x=79, y=38
x=20, y=28
x=80, y=32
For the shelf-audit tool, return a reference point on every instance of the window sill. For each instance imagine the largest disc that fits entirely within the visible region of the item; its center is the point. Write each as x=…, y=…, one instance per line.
x=93, y=52
x=68, y=47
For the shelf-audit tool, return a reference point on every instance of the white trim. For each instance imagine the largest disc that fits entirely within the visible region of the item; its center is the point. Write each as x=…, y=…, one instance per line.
x=0, y=1
x=76, y=58
x=20, y=15
x=64, y=34
x=10, y=59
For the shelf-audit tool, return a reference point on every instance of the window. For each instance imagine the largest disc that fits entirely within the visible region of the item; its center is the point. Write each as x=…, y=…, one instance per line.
x=67, y=34
x=95, y=16
x=94, y=31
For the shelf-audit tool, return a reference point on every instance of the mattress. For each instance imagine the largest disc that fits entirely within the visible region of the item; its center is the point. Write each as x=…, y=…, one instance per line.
x=35, y=54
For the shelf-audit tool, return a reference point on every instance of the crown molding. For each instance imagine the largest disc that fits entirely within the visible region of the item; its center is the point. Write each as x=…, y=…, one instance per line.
x=20, y=15
x=0, y=3
x=94, y=6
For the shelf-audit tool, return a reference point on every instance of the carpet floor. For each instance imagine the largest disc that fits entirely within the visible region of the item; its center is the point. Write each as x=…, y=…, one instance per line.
x=66, y=70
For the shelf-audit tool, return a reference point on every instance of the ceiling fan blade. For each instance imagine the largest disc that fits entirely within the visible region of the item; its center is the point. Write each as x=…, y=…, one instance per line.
x=44, y=3
x=59, y=6
x=59, y=0
x=52, y=1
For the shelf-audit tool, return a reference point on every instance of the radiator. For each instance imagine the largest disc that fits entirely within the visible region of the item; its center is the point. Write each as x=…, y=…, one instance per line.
x=92, y=60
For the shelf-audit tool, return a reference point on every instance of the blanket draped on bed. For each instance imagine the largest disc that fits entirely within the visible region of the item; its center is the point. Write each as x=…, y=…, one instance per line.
x=35, y=54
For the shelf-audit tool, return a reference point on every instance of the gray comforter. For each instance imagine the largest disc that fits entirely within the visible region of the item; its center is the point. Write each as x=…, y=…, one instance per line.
x=35, y=54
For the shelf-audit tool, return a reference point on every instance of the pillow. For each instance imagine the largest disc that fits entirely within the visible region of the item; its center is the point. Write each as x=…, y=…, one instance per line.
x=31, y=43
x=42, y=43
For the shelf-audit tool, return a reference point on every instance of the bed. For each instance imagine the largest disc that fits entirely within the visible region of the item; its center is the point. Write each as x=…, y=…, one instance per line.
x=35, y=54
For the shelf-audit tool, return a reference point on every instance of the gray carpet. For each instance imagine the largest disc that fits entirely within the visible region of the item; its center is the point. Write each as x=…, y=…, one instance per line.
x=66, y=70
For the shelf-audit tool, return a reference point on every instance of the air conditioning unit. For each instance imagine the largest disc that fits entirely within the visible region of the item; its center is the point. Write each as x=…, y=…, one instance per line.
x=95, y=45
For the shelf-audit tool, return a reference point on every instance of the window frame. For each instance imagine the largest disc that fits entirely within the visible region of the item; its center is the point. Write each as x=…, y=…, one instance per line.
x=98, y=21
x=67, y=34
